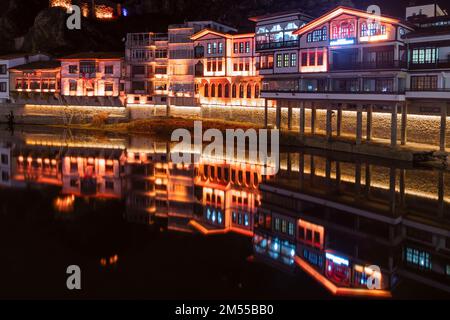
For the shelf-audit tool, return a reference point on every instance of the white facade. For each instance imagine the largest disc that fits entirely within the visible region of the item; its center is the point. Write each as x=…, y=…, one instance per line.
x=90, y=75
x=10, y=61
x=181, y=60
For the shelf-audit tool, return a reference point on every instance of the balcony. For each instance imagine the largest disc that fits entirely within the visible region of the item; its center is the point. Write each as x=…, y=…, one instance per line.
x=439, y=64
x=369, y=65
x=276, y=45
x=335, y=95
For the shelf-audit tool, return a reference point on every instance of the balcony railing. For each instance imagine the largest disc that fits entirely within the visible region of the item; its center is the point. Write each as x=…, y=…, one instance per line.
x=333, y=91
x=267, y=66
x=439, y=64
x=369, y=65
x=428, y=89
x=276, y=45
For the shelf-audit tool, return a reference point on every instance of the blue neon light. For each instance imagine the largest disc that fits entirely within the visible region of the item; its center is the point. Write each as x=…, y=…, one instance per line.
x=342, y=42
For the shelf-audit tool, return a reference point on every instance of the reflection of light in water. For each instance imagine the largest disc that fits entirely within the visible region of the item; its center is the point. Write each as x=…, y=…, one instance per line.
x=109, y=261
x=64, y=204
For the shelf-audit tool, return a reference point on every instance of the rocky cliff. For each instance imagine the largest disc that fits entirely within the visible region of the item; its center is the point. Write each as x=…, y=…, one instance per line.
x=29, y=25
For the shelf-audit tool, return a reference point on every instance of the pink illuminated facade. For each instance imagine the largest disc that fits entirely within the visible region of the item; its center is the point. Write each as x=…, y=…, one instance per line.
x=225, y=69
x=92, y=75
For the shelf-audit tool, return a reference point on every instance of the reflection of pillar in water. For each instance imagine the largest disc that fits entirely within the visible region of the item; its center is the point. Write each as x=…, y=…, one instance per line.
x=441, y=191
x=402, y=187
x=368, y=179
x=301, y=168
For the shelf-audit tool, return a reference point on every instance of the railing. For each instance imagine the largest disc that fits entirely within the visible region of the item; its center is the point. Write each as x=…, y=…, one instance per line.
x=439, y=64
x=370, y=65
x=333, y=92
x=276, y=45
x=268, y=66
x=429, y=89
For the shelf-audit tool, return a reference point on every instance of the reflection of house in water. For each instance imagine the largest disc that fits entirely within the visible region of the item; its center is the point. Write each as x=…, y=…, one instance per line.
x=227, y=196
x=147, y=178
x=339, y=216
x=95, y=173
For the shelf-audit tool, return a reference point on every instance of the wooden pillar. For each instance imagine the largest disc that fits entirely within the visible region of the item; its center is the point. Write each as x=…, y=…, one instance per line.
x=442, y=141
x=313, y=118
x=302, y=119
x=339, y=121
x=329, y=122
x=312, y=171
x=289, y=116
x=404, y=123
x=369, y=122
x=359, y=121
x=394, y=125
x=266, y=113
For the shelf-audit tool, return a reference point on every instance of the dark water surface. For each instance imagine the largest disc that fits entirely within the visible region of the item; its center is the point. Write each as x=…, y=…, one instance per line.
x=117, y=207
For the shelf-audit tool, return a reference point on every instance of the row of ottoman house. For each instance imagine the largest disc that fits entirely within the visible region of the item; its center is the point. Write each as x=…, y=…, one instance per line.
x=345, y=55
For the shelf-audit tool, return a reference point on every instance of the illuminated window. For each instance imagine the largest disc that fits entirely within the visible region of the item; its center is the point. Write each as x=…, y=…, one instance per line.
x=277, y=224
x=220, y=47
x=424, y=82
x=317, y=35
x=372, y=29
x=241, y=47
x=424, y=55
x=291, y=229
x=247, y=47
x=293, y=59
x=209, y=48
x=418, y=258
x=236, y=47
x=342, y=29
x=286, y=60
x=279, y=60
